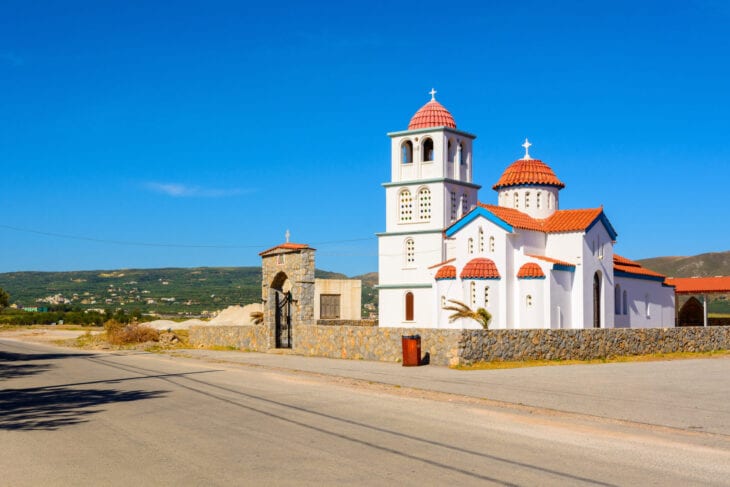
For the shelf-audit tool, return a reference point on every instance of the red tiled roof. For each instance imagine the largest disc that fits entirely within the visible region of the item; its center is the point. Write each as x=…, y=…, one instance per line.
x=446, y=272
x=530, y=270
x=551, y=260
x=480, y=268
x=640, y=271
x=700, y=285
x=514, y=217
x=286, y=246
x=571, y=220
x=528, y=171
x=617, y=259
x=560, y=221
x=432, y=114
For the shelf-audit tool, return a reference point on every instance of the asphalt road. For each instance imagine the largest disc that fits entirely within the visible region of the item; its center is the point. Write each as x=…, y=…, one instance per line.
x=71, y=418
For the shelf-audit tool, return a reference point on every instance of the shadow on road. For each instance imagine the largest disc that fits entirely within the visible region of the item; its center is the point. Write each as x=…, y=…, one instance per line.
x=49, y=408
x=12, y=366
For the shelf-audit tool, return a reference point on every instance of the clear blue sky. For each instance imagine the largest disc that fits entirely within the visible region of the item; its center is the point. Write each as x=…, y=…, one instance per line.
x=204, y=130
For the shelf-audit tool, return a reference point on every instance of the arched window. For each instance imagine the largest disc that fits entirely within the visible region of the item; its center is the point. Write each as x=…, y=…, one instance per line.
x=443, y=301
x=450, y=151
x=427, y=149
x=528, y=300
x=625, y=302
x=406, y=152
x=486, y=297
x=424, y=204
x=527, y=199
x=617, y=300
x=464, y=204
x=460, y=154
x=648, y=306
x=410, y=252
x=517, y=200
x=405, y=206
x=453, y=206
x=491, y=244
x=538, y=200
x=409, y=306
x=596, y=300
x=481, y=240
x=473, y=293
x=470, y=245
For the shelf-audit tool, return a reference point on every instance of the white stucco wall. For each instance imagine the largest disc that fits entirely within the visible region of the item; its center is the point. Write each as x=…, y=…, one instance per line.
x=561, y=290
x=532, y=314
x=639, y=293
x=549, y=200
x=392, y=309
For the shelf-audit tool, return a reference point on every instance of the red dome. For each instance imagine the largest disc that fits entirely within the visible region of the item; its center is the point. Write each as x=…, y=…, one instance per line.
x=530, y=271
x=480, y=268
x=446, y=272
x=528, y=171
x=432, y=114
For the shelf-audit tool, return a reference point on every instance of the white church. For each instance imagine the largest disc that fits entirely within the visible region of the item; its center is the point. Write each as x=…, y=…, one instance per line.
x=525, y=260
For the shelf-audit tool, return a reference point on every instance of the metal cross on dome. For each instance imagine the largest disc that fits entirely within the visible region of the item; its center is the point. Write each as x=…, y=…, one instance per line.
x=433, y=94
x=527, y=145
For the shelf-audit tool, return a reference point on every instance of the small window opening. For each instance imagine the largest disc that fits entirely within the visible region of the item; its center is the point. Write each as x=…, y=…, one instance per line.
x=428, y=150
x=406, y=151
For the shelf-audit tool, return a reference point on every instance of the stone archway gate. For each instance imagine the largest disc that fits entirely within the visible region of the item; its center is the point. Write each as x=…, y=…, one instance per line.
x=287, y=291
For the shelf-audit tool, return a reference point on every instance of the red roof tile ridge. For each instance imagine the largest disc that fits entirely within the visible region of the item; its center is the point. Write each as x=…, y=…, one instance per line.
x=551, y=260
x=442, y=263
x=287, y=246
x=617, y=259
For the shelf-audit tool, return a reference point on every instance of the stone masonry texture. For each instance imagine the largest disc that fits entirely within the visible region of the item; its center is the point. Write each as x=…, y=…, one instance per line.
x=454, y=347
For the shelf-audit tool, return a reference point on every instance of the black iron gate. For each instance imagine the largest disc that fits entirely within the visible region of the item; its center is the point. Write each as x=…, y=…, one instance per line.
x=283, y=320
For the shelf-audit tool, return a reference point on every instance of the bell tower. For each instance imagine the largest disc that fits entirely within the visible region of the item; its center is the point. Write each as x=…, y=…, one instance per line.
x=430, y=188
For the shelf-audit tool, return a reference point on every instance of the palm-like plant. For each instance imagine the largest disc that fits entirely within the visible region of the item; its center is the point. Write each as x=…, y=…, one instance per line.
x=257, y=317
x=462, y=310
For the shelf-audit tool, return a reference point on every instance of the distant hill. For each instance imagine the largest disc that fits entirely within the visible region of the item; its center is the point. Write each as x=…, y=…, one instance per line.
x=703, y=265
x=184, y=291
x=191, y=291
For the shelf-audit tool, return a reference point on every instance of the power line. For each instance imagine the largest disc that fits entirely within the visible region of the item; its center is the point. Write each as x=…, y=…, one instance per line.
x=163, y=245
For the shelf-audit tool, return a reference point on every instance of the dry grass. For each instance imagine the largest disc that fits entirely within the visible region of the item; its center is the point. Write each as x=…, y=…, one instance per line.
x=654, y=357
x=133, y=333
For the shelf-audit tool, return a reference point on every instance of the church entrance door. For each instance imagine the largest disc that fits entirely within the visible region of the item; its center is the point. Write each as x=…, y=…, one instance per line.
x=283, y=319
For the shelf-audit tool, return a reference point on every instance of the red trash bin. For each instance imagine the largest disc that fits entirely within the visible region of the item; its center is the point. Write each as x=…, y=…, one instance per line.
x=411, y=350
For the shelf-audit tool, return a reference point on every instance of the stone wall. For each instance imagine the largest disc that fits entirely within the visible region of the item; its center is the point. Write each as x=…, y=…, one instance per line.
x=373, y=343
x=254, y=338
x=347, y=322
x=452, y=347
x=479, y=345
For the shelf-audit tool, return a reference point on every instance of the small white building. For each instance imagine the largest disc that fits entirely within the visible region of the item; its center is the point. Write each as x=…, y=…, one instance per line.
x=529, y=263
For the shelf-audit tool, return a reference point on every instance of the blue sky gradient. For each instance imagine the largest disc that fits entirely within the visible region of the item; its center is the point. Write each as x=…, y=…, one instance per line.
x=156, y=134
